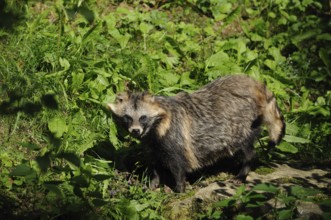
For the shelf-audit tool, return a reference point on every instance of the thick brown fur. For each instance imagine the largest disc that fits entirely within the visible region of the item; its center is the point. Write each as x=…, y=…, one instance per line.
x=191, y=131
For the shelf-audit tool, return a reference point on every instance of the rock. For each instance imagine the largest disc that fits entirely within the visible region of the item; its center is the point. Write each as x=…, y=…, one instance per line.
x=309, y=210
x=282, y=176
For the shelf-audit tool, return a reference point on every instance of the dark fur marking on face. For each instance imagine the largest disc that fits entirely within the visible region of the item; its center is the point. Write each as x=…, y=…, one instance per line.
x=257, y=122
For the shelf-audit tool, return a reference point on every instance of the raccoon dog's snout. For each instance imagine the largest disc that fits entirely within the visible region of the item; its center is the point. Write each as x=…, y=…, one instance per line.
x=136, y=131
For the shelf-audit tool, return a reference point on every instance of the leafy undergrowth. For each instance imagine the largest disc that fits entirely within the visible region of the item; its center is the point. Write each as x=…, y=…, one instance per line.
x=62, y=61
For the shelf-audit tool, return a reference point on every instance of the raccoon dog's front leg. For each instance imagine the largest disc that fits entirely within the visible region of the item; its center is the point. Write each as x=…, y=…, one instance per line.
x=248, y=156
x=179, y=176
x=155, y=182
x=161, y=175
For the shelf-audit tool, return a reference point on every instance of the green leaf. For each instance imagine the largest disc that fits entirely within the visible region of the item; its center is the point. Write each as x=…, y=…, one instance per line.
x=244, y=217
x=138, y=206
x=217, y=59
x=64, y=63
x=265, y=188
x=271, y=64
x=70, y=157
x=113, y=135
x=285, y=214
x=43, y=162
x=57, y=126
x=110, y=20
x=77, y=80
x=22, y=170
x=287, y=147
x=325, y=55
x=225, y=203
x=54, y=188
x=121, y=39
x=294, y=139
x=30, y=146
x=81, y=181
x=168, y=79
x=99, y=202
x=145, y=28
x=240, y=190
x=78, y=191
x=302, y=192
x=304, y=36
x=185, y=79
x=101, y=177
x=324, y=36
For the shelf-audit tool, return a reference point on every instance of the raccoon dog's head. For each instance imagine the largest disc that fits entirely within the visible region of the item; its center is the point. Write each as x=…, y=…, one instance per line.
x=138, y=112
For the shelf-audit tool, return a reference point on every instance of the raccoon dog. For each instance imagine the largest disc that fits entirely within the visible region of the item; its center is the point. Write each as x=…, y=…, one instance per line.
x=187, y=132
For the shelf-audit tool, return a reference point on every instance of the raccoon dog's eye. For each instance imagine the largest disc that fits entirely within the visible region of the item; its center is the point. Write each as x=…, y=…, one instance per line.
x=143, y=119
x=127, y=119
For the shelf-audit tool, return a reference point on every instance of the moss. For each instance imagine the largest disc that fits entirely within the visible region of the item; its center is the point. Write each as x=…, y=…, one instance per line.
x=264, y=170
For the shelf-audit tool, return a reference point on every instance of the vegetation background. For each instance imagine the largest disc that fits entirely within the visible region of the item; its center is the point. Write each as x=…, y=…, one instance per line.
x=62, y=61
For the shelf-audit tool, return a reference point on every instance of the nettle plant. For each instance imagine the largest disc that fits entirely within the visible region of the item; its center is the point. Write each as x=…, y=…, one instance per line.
x=264, y=201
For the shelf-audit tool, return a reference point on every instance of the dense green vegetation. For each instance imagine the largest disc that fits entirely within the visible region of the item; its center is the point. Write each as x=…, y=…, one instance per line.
x=62, y=61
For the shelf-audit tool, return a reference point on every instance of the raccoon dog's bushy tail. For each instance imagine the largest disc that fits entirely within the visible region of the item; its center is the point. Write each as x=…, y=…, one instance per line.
x=273, y=119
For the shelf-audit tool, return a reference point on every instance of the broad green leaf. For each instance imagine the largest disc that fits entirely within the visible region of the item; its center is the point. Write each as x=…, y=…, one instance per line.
x=102, y=177
x=304, y=36
x=285, y=214
x=265, y=188
x=241, y=46
x=64, y=63
x=138, y=206
x=77, y=80
x=22, y=170
x=303, y=192
x=326, y=202
x=110, y=20
x=240, y=190
x=325, y=55
x=168, y=79
x=88, y=35
x=78, y=191
x=81, y=180
x=57, y=126
x=232, y=16
x=185, y=79
x=30, y=146
x=87, y=13
x=294, y=139
x=324, y=36
x=287, y=147
x=70, y=157
x=217, y=59
x=225, y=203
x=99, y=202
x=121, y=39
x=145, y=28
x=276, y=53
x=113, y=135
x=244, y=217
x=55, y=189
x=43, y=162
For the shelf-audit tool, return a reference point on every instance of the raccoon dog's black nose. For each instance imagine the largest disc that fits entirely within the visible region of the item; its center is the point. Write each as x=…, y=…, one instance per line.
x=135, y=132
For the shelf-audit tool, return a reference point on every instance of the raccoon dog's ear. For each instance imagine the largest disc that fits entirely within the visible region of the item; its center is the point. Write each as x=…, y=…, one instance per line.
x=148, y=97
x=120, y=98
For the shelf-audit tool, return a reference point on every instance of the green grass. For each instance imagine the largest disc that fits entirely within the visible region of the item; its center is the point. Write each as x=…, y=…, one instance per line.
x=62, y=61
